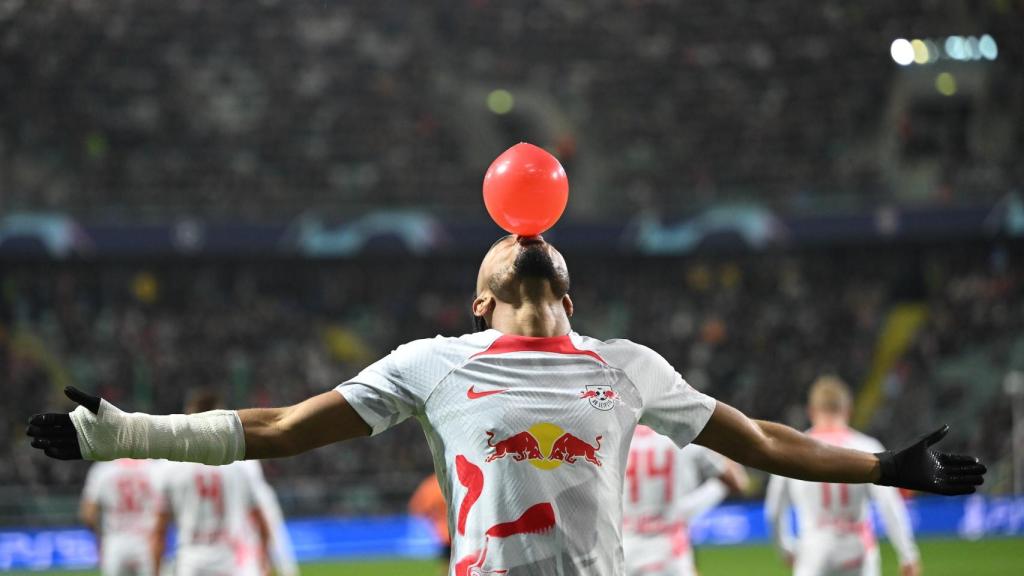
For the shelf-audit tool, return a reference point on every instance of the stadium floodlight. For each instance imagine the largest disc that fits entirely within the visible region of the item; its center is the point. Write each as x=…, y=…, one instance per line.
x=955, y=48
x=902, y=52
x=920, y=51
x=945, y=83
x=987, y=47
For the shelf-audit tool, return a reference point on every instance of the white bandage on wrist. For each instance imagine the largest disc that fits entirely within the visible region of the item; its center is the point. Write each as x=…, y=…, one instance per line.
x=213, y=437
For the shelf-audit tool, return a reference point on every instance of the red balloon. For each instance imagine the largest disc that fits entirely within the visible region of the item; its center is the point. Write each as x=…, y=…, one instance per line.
x=525, y=190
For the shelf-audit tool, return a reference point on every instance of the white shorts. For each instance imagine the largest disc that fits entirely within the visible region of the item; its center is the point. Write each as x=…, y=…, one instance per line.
x=125, y=556
x=658, y=555
x=206, y=561
x=837, y=556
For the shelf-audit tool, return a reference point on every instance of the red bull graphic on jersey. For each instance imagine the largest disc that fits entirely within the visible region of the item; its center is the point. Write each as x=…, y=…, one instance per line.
x=601, y=397
x=522, y=446
x=545, y=446
x=537, y=519
x=568, y=448
x=472, y=479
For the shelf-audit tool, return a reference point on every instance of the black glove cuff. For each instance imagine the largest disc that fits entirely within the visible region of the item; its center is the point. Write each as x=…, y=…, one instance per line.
x=887, y=467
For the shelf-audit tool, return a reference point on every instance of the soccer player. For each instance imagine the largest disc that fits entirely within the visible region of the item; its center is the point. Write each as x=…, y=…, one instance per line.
x=529, y=424
x=214, y=508
x=835, y=534
x=666, y=488
x=282, y=553
x=120, y=504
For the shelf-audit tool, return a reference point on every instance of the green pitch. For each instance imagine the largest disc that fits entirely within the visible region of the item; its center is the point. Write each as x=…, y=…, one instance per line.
x=994, y=557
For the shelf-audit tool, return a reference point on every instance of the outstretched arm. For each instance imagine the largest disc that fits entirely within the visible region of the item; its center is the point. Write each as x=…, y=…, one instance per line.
x=781, y=450
x=97, y=430
x=318, y=421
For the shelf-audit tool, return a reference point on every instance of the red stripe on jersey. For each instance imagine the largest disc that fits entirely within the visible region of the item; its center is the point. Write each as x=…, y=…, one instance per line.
x=537, y=518
x=472, y=478
x=555, y=344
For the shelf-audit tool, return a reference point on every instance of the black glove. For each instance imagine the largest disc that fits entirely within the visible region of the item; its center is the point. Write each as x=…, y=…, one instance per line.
x=918, y=467
x=54, y=433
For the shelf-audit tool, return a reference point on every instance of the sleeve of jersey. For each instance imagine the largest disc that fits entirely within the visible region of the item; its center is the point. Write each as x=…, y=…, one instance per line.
x=670, y=405
x=395, y=387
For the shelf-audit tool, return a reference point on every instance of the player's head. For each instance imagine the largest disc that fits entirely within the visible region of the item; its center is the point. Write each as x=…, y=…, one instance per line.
x=829, y=401
x=202, y=400
x=521, y=270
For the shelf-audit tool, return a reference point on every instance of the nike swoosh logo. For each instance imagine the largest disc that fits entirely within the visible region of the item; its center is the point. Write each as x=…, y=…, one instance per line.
x=473, y=394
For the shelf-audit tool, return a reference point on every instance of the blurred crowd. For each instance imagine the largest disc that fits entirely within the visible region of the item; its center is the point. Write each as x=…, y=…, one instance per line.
x=753, y=331
x=265, y=109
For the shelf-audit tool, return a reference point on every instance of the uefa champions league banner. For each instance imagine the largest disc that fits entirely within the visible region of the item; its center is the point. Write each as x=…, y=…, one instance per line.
x=321, y=538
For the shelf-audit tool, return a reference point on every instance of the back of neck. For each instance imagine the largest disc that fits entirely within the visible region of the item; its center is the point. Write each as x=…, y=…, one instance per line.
x=531, y=320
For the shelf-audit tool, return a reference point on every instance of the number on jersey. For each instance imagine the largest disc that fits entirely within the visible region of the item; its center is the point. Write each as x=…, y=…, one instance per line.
x=211, y=501
x=132, y=493
x=644, y=467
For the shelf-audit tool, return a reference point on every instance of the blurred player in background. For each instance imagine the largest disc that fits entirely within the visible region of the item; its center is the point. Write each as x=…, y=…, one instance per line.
x=216, y=509
x=666, y=488
x=282, y=553
x=428, y=502
x=120, y=505
x=835, y=533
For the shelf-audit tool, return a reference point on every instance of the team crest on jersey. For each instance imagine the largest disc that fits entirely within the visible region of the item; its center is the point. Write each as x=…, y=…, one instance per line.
x=600, y=396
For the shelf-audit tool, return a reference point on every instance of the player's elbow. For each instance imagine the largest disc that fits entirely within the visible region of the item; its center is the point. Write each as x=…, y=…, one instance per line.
x=765, y=453
x=284, y=437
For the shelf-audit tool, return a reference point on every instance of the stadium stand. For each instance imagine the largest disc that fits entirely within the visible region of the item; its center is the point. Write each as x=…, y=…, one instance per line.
x=268, y=109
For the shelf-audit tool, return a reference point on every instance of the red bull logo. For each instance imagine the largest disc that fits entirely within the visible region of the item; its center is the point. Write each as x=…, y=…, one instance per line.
x=522, y=446
x=600, y=397
x=545, y=446
x=568, y=448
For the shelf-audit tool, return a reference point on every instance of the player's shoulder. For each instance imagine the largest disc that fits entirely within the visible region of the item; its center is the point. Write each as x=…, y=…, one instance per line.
x=862, y=441
x=171, y=472
x=242, y=470
x=447, y=347
x=621, y=353
x=697, y=451
x=122, y=466
x=102, y=467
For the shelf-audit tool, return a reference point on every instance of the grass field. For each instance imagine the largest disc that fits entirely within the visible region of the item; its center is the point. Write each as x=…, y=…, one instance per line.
x=993, y=557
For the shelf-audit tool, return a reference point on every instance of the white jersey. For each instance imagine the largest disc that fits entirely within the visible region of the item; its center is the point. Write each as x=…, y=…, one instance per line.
x=126, y=493
x=530, y=438
x=665, y=488
x=212, y=507
x=835, y=534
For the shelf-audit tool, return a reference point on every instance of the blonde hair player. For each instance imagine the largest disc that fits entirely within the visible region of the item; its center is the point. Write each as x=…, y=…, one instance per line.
x=529, y=424
x=835, y=536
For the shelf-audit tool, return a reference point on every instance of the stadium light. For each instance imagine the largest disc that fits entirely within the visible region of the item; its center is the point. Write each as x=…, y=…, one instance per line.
x=987, y=47
x=945, y=83
x=500, y=101
x=902, y=52
x=931, y=50
x=920, y=51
